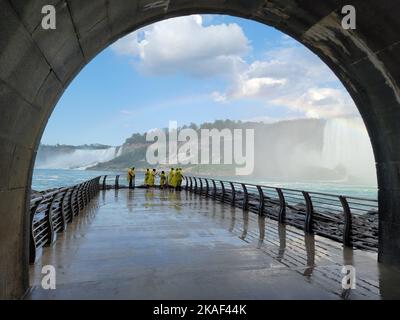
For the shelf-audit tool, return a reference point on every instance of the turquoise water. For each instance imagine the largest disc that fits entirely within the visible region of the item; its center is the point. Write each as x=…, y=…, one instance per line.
x=44, y=179
x=362, y=191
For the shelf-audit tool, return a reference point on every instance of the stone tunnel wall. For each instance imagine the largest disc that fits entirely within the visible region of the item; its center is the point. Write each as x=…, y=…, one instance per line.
x=37, y=65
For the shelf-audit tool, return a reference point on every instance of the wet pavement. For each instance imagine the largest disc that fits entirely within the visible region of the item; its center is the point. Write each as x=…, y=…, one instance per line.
x=156, y=244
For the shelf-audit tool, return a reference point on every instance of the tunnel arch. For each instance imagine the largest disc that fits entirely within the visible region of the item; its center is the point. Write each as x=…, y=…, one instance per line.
x=37, y=65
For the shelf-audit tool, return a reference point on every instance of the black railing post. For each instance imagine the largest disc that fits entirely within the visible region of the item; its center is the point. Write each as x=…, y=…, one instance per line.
x=245, y=197
x=94, y=188
x=104, y=182
x=233, y=193
x=88, y=191
x=191, y=184
x=282, y=206
x=76, y=199
x=71, y=203
x=63, y=214
x=117, y=182
x=214, y=188
x=91, y=187
x=308, y=222
x=223, y=190
x=86, y=194
x=207, y=187
x=98, y=184
x=348, y=222
x=201, y=186
x=261, y=201
x=84, y=199
x=79, y=198
x=49, y=221
x=195, y=184
x=32, y=242
x=186, y=182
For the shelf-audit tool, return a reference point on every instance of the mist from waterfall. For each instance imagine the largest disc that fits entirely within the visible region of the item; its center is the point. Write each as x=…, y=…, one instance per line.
x=346, y=145
x=79, y=159
x=335, y=150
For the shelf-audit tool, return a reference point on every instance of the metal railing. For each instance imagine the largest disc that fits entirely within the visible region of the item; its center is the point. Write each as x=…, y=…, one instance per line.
x=351, y=220
x=51, y=212
x=112, y=182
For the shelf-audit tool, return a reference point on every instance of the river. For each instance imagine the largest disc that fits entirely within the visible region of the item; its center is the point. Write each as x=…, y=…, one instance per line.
x=53, y=178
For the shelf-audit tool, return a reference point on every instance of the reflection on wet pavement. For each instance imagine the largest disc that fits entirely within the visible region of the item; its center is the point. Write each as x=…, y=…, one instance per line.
x=157, y=244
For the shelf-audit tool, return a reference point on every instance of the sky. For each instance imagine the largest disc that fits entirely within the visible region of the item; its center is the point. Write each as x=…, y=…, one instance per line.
x=195, y=69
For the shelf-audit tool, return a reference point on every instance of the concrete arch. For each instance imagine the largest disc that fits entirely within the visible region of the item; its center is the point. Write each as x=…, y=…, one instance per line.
x=37, y=65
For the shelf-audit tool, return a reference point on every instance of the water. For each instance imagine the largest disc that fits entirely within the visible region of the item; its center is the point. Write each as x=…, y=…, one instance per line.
x=361, y=191
x=44, y=179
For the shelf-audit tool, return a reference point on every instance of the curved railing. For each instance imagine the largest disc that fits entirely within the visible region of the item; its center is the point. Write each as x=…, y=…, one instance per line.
x=51, y=212
x=351, y=220
x=111, y=182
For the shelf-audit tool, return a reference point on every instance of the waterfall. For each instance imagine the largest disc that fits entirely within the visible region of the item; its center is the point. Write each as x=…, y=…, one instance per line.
x=346, y=145
x=79, y=158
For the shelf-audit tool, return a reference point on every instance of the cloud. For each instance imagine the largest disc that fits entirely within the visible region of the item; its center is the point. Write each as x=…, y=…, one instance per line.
x=186, y=45
x=319, y=103
x=288, y=76
x=294, y=78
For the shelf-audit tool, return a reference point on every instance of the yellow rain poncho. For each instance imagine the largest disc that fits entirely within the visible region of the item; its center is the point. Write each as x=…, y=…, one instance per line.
x=170, y=177
x=163, y=179
x=178, y=178
x=173, y=179
x=152, y=178
x=146, y=177
x=131, y=174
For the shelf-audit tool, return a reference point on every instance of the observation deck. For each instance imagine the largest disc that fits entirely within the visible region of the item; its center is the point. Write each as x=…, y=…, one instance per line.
x=162, y=244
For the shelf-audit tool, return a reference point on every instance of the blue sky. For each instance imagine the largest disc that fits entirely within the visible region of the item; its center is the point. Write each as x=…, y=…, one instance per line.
x=194, y=69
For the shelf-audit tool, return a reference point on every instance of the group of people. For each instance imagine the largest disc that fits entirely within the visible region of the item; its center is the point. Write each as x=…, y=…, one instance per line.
x=172, y=180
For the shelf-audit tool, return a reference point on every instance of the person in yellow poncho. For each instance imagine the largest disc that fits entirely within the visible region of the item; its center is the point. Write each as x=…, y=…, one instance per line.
x=163, y=180
x=170, y=177
x=152, y=178
x=146, y=178
x=178, y=179
x=174, y=179
x=131, y=177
